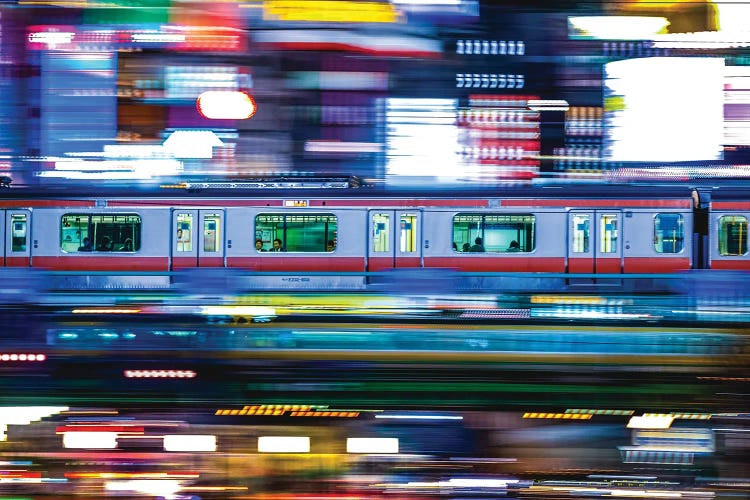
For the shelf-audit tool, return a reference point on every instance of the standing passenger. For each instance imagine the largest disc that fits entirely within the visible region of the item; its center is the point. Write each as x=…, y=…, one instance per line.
x=86, y=247
x=477, y=246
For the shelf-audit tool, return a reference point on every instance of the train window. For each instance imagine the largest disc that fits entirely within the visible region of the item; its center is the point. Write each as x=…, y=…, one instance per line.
x=18, y=240
x=732, y=235
x=381, y=232
x=298, y=232
x=211, y=228
x=494, y=233
x=185, y=232
x=668, y=233
x=608, y=233
x=100, y=233
x=581, y=230
x=408, y=233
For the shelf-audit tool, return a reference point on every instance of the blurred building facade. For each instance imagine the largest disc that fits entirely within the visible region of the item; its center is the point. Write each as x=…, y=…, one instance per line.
x=374, y=89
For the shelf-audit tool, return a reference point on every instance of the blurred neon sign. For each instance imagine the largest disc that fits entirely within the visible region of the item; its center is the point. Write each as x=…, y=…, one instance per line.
x=330, y=11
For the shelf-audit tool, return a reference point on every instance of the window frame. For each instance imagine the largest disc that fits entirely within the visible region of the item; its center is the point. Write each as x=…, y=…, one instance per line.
x=719, y=239
x=682, y=239
x=331, y=235
x=137, y=236
x=481, y=229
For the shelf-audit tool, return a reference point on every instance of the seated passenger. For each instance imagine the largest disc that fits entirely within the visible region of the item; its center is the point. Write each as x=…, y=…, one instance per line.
x=477, y=246
x=128, y=245
x=259, y=245
x=513, y=247
x=331, y=246
x=105, y=245
x=86, y=246
x=466, y=247
x=277, y=246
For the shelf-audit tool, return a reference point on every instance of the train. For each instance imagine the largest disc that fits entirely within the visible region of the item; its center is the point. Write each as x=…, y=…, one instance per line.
x=562, y=229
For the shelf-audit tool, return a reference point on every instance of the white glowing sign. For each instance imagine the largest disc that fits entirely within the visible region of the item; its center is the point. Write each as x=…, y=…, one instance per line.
x=225, y=105
x=664, y=109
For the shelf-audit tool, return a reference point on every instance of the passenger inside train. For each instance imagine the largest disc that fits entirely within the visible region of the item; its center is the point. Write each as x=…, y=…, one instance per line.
x=514, y=247
x=277, y=245
x=86, y=246
x=105, y=245
x=477, y=246
x=259, y=245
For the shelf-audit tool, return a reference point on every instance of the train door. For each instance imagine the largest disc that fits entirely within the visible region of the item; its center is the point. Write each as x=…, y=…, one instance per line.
x=15, y=226
x=594, y=243
x=211, y=244
x=198, y=238
x=395, y=239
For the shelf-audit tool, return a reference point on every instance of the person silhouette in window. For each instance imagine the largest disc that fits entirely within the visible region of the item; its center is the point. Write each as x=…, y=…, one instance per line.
x=466, y=247
x=331, y=246
x=514, y=247
x=128, y=245
x=477, y=246
x=86, y=246
x=105, y=245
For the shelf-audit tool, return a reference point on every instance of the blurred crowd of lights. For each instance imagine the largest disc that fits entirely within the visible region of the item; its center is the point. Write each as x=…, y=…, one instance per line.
x=559, y=416
x=287, y=410
x=22, y=357
x=159, y=374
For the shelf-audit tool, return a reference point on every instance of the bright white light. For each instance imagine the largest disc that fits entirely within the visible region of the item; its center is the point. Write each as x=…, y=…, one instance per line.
x=161, y=487
x=283, y=444
x=372, y=445
x=481, y=483
x=90, y=440
x=52, y=38
x=548, y=105
x=664, y=109
x=343, y=147
x=422, y=417
x=733, y=15
x=422, y=138
x=616, y=27
x=195, y=144
x=237, y=311
x=195, y=442
x=157, y=37
x=651, y=422
x=427, y=2
x=702, y=40
x=225, y=105
x=24, y=415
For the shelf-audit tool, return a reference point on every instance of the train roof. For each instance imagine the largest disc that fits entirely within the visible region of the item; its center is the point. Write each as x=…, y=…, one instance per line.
x=308, y=190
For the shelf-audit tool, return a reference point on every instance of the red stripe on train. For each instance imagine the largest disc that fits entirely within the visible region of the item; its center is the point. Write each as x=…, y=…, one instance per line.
x=217, y=203
x=656, y=265
x=46, y=203
x=414, y=203
x=499, y=264
x=735, y=264
x=109, y=263
x=594, y=203
x=17, y=261
x=273, y=263
x=730, y=205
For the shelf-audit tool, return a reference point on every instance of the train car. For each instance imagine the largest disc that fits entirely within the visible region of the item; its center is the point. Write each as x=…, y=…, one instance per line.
x=622, y=230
